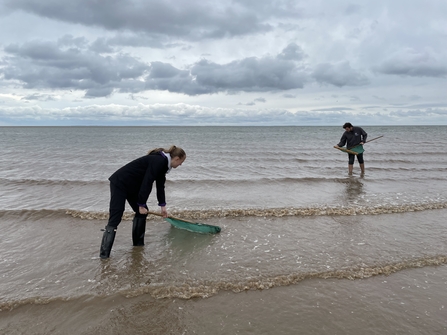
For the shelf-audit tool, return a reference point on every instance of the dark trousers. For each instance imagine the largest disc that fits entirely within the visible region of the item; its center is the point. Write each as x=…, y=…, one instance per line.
x=351, y=158
x=117, y=206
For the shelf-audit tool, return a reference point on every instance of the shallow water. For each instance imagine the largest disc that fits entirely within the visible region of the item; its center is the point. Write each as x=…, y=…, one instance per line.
x=303, y=248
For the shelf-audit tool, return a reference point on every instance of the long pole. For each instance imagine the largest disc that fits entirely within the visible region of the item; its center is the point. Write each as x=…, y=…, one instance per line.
x=171, y=217
x=346, y=150
x=367, y=141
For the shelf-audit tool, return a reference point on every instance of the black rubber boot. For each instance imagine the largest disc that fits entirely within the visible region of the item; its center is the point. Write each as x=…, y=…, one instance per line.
x=107, y=242
x=138, y=230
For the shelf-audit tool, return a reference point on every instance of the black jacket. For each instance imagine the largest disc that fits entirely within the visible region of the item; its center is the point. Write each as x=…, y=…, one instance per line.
x=353, y=138
x=138, y=176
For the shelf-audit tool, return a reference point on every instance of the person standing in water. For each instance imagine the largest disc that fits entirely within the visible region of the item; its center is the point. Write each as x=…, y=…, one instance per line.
x=133, y=182
x=352, y=137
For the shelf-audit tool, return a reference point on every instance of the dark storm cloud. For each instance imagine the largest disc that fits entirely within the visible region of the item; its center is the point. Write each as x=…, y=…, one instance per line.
x=184, y=19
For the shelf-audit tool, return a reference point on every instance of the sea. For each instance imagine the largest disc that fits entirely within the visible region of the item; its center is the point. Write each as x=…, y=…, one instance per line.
x=304, y=247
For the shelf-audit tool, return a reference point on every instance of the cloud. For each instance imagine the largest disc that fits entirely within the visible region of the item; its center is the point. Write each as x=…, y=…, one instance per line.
x=134, y=40
x=167, y=114
x=246, y=75
x=414, y=63
x=39, y=97
x=156, y=114
x=165, y=77
x=249, y=75
x=352, y=9
x=311, y=59
x=378, y=98
x=253, y=103
x=429, y=105
x=332, y=109
x=292, y=52
x=65, y=65
x=70, y=63
x=181, y=19
x=339, y=74
x=419, y=113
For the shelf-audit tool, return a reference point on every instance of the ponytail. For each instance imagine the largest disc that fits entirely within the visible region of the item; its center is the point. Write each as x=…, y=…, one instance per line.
x=173, y=151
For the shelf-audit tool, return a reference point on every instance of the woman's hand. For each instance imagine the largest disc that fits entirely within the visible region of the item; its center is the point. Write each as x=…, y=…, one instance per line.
x=164, y=212
x=142, y=210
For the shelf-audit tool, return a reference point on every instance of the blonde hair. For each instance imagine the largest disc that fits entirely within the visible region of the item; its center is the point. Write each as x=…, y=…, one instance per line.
x=173, y=151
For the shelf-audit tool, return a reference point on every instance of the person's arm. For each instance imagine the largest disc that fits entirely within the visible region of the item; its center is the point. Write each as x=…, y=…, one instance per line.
x=153, y=170
x=342, y=141
x=161, y=197
x=364, y=136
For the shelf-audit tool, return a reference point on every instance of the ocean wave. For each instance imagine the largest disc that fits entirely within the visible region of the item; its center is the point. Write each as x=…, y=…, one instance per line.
x=52, y=182
x=10, y=305
x=276, y=212
x=202, y=214
x=243, y=181
x=193, y=288
x=33, y=213
x=206, y=289
x=249, y=179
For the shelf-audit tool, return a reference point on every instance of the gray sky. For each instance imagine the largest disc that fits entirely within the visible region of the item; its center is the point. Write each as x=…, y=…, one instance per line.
x=241, y=62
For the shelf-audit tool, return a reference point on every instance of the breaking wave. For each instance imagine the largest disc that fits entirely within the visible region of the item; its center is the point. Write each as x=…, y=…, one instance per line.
x=194, y=288
x=207, y=289
x=277, y=212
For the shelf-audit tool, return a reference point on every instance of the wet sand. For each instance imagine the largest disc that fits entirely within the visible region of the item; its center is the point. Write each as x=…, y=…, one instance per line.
x=408, y=302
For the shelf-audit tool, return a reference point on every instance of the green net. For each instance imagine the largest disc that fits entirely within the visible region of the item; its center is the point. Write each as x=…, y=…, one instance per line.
x=358, y=149
x=194, y=227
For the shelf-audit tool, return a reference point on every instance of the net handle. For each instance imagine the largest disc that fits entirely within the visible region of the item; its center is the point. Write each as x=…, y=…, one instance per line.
x=346, y=150
x=170, y=217
x=366, y=141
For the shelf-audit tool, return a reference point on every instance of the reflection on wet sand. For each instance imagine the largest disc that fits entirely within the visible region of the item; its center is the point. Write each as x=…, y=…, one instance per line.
x=353, y=190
